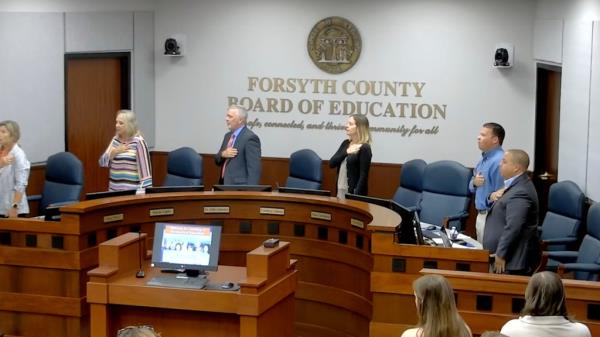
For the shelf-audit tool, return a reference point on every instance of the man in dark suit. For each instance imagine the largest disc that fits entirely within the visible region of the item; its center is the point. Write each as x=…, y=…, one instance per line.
x=511, y=226
x=239, y=155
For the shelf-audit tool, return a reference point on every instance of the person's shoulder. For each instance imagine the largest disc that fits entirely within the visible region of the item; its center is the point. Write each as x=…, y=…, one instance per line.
x=411, y=332
x=138, y=139
x=582, y=330
x=511, y=326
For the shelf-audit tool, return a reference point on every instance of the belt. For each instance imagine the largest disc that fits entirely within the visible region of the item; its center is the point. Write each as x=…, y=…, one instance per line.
x=482, y=211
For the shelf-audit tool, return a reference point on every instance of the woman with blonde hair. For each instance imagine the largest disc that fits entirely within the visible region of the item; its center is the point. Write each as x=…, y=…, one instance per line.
x=138, y=331
x=14, y=172
x=127, y=156
x=545, y=312
x=438, y=316
x=353, y=158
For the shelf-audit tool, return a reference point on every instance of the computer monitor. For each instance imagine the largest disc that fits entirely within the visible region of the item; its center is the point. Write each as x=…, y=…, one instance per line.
x=324, y=193
x=372, y=200
x=193, y=248
x=107, y=194
x=167, y=189
x=253, y=188
x=409, y=229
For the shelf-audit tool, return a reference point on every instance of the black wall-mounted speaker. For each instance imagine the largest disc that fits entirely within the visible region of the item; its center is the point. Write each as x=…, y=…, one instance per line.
x=172, y=47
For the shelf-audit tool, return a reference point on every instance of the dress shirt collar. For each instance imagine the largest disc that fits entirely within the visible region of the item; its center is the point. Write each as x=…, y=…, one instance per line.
x=509, y=181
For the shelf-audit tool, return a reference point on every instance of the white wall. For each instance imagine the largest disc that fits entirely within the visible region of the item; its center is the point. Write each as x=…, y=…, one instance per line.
x=32, y=80
x=448, y=45
x=39, y=33
x=580, y=108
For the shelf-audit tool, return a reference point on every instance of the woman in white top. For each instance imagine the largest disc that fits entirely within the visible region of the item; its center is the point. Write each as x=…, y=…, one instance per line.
x=438, y=316
x=545, y=312
x=14, y=172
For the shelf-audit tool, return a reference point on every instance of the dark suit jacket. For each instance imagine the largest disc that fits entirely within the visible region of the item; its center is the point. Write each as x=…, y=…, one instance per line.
x=357, y=164
x=243, y=169
x=511, y=226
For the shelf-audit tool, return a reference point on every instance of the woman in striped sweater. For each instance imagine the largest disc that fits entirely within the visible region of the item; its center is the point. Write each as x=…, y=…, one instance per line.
x=127, y=156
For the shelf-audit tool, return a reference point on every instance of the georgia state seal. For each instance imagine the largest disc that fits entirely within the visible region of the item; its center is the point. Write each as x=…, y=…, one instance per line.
x=334, y=45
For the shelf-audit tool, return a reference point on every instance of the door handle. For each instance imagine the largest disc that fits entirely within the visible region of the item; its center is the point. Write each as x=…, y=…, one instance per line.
x=546, y=176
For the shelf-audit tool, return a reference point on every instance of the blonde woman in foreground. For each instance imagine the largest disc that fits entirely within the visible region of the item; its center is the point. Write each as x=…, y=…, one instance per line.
x=438, y=316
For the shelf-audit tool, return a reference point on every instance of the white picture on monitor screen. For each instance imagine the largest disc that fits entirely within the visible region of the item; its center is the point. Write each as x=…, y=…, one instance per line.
x=186, y=245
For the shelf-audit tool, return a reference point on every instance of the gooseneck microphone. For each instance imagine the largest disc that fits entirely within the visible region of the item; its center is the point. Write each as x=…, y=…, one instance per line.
x=140, y=273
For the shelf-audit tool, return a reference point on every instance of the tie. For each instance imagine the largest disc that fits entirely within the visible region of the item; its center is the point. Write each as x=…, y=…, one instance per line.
x=229, y=144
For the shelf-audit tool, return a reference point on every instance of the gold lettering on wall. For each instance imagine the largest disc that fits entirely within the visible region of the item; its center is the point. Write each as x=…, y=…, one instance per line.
x=393, y=106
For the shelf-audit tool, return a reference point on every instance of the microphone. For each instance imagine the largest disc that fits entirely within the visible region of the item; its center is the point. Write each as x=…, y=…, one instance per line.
x=140, y=273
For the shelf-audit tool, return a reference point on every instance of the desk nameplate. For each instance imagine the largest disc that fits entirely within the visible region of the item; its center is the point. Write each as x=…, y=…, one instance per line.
x=216, y=210
x=272, y=211
x=113, y=217
x=320, y=215
x=162, y=211
x=357, y=223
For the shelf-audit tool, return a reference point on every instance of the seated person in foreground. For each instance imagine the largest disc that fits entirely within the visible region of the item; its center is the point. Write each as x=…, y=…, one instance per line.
x=545, y=312
x=438, y=316
x=138, y=331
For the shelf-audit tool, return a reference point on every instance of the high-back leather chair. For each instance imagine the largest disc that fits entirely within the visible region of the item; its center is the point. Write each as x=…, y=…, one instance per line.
x=408, y=194
x=445, y=198
x=561, y=224
x=63, y=181
x=184, y=168
x=585, y=263
x=305, y=170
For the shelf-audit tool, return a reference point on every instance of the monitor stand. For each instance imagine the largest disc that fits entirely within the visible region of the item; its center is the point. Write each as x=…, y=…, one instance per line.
x=195, y=273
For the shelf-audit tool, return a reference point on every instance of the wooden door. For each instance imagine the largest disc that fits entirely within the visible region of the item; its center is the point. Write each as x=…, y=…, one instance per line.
x=547, y=132
x=97, y=86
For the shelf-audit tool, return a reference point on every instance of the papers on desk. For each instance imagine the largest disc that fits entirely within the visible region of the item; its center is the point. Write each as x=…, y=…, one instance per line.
x=462, y=241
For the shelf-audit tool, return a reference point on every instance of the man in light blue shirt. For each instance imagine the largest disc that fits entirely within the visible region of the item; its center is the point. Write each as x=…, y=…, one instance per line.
x=486, y=174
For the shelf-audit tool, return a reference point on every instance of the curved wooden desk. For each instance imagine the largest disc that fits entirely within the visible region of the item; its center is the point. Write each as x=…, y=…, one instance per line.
x=261, y=307
x=328, y=237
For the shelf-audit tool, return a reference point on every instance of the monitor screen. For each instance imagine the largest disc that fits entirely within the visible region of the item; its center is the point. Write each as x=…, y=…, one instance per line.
x=409, y=229
x=167, y=189
x=254, y=188
x=194, y=248
x=107, y=194
x=324, y=193
x=377, y=201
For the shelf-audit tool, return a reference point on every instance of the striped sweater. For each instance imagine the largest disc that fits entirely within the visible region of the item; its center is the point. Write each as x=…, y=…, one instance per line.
x=130, y=169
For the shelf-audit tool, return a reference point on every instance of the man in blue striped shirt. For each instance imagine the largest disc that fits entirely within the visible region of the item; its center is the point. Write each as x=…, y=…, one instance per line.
x=486, y=174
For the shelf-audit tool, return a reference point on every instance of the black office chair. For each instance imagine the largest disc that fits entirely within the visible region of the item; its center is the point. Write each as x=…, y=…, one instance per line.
x=305, y=170
x=184, y=168
x=63, y=181
x=408, y=194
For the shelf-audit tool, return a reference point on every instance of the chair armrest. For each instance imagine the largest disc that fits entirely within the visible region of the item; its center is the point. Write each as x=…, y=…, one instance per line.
x=560, y=240
x=563, y=256
x=566, y=241
x=591, y=268
x=62, y=203
x=36, y=197
x=452, y=218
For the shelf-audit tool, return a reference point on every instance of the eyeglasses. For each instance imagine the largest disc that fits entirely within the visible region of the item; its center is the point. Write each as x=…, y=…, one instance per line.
x=142, y=331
